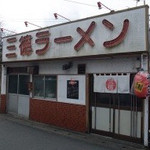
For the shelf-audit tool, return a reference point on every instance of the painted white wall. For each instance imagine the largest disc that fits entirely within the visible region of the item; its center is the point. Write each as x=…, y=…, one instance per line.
x=104, y=119
x=125, y=122
x=3, y=80
x=135, y=40
x=120, y=64
x=107, y=65
x=114, y=64
x=62, y=89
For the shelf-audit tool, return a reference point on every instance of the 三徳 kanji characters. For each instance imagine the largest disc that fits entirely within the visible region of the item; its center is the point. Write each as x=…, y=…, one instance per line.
x=43, y=39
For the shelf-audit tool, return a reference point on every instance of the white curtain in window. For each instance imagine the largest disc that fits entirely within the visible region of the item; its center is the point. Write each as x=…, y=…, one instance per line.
x=112, y=83
x=123, y=83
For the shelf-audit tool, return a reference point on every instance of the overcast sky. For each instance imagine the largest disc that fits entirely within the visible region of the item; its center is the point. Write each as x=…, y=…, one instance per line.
x=14, y=13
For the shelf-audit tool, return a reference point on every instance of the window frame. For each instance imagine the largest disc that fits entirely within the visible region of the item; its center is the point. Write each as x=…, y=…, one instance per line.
x=44, y=96
x=9, y=88
x=114, y=99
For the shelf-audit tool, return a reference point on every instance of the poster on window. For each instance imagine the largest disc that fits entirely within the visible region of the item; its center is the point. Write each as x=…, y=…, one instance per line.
x=73, y=89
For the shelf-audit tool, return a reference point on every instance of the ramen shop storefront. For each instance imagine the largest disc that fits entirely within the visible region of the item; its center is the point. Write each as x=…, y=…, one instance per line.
x=80, y=78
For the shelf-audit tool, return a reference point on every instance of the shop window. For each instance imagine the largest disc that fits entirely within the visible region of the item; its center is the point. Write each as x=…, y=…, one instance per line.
x=103, y=100
x=23, y=84
x=13, y=82
x=50, y=86
x=118, y=101
x=45, y=86
x=39, y=86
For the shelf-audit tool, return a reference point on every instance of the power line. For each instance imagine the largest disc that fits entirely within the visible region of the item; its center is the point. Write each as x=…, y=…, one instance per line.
x=81, y=3
x=99, y=4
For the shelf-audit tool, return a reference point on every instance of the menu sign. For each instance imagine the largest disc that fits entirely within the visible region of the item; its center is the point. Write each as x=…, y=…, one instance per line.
x=73, y=89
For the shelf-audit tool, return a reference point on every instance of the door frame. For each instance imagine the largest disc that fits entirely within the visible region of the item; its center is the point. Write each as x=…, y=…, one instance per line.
x=106, y=133
x=20, y=111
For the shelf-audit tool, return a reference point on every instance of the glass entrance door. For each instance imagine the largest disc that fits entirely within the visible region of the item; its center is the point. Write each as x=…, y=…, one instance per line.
x=18, y=95
x=23, y=96
x=12, y=103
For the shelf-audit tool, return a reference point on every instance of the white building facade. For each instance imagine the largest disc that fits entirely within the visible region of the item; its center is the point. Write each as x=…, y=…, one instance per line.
x=78, y=75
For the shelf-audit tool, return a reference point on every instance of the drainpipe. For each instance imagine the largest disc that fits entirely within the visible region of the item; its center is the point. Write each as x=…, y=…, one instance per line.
x=3, y=90
x=144, y=65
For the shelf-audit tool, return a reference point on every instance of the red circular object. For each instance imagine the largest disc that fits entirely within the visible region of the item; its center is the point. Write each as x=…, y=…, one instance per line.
x=111, y=84
x=141, y=83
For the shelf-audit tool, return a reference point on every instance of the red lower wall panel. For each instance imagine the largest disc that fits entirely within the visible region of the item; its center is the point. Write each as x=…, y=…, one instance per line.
x=3, y=104
x=64, y=115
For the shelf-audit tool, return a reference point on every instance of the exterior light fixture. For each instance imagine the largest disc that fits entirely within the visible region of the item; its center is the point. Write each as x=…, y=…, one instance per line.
x=56, y=16
x=27, y=23
x=2, y=30
x=139, y=1
x=99, y=4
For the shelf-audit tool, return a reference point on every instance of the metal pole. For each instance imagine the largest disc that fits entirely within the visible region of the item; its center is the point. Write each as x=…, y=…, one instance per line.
x=144, y=64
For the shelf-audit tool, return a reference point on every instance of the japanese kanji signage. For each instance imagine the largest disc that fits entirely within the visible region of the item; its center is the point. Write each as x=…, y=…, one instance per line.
x=111, y=84
x=141, y=84
x=120, y=32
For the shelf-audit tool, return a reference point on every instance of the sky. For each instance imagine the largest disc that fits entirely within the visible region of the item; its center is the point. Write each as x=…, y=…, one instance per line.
x=14, y=13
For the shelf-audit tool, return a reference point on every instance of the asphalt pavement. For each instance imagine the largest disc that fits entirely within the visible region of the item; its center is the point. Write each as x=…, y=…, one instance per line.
x=20, y=134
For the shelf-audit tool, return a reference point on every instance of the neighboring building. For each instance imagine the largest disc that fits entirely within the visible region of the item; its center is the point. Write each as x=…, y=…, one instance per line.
x=78, y=75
